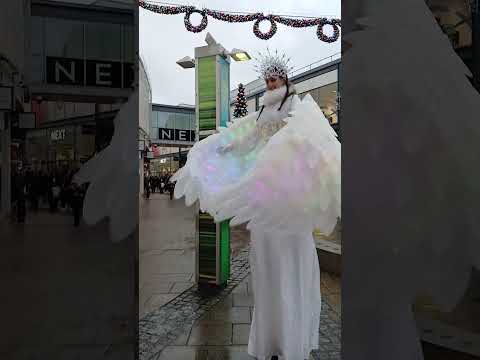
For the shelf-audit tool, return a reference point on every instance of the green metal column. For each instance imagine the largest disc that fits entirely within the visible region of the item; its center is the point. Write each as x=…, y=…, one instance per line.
x=212, y=111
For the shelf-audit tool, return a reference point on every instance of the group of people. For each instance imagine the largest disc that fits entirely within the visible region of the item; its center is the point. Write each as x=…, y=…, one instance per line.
x=53, y=188
x=156, y=183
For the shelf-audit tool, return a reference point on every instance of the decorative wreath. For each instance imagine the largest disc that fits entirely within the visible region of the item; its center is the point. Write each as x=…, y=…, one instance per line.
x=199, y=28
x=336, y=31
x=270, y=33
x=258, y=17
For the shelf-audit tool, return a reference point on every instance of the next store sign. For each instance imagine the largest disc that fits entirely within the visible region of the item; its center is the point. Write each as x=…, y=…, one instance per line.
x=67, y=71
x=176, y=135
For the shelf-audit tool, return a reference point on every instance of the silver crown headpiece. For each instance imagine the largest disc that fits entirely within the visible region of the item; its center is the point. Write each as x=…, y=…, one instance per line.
x=273, y=65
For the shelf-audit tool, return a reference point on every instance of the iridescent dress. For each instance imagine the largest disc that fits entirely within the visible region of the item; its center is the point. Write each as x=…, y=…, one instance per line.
x=282, y=177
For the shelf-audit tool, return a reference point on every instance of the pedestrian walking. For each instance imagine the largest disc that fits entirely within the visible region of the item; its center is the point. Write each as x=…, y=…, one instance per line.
x=146, y=185
x=54, y=195
x=76, y=203
x=170, y=188
x=20, y=192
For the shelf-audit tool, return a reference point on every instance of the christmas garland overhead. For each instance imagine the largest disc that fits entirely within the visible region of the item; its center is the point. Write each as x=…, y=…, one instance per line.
x=257, y=17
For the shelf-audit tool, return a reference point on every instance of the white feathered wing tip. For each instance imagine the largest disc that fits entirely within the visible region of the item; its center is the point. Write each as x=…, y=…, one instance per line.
x=114, y=178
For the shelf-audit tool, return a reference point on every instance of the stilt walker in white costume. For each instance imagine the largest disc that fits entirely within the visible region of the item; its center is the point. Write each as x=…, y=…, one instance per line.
x=278, y=170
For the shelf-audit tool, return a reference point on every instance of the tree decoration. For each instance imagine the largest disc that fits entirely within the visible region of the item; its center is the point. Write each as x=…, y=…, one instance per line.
x=199, y=28
x=240, y=103
x=257, y=17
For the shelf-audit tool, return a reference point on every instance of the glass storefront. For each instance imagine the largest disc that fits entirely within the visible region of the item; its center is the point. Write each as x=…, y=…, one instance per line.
x=77, y=46
x=174, y=118
x=68, y=145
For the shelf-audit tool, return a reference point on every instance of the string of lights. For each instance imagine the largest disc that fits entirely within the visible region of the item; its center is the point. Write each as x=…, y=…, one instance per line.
x=231, y=17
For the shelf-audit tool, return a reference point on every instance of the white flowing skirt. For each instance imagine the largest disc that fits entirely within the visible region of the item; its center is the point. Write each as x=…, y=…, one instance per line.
x=286, y=288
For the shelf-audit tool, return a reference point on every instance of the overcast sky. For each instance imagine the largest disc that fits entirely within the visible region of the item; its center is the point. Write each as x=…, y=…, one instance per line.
x=164, y=40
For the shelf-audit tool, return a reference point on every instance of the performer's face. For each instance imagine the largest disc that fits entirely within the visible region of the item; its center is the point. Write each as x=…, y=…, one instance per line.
x=274, y=83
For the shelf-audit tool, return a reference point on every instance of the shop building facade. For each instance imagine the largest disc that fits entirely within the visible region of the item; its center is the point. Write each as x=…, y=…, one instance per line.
x=172, y=134
x=319, y=79
x=71, y=65
x=79, y=78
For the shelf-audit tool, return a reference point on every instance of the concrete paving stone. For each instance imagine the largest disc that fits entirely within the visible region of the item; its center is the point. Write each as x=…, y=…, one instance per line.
x=229, y=353
x=242, y=300
x=241, y=333
x=182, y=339
x=157, y=301
x=172, y=278
x=180, y=287
x=157, y=287
x=211, y=334
x=241, y=289
x=330, y=283
x=173, y=252
x=182, y=353
x=233, y=315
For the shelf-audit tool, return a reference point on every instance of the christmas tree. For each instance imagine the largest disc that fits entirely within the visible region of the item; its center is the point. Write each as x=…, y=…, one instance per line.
x=241, y=103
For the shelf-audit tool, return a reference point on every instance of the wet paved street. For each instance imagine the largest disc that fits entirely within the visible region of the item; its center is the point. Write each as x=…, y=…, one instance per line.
x=166, y=251
x=59, y=283
x=199, y=323
x=222, y=332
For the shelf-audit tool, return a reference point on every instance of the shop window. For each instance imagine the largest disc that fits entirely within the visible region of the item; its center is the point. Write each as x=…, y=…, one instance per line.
x=128, y=44
x=170, y=123
x=36, y=48
x=103, y=42
x=64, y=38
x=182, y=122
x=162, y=119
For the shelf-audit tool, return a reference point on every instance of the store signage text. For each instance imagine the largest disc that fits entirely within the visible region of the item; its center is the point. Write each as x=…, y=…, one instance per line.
x=58, y=134
x=176, y=135
x=67, y=71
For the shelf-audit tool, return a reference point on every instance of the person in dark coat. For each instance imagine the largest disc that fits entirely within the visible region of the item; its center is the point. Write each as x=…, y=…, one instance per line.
x=20, y=190
x=34, y=190
x=146, y=185
x=54, y=194
x=76, y=203
x=170, y=187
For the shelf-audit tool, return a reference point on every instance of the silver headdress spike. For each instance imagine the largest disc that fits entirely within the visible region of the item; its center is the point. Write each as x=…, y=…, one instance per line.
x=273, y=65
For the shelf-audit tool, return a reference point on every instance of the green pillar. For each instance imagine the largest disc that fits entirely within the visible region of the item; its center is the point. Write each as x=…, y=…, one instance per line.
x=212, y=110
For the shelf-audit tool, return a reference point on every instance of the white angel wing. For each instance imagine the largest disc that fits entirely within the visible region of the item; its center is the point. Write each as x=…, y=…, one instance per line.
x=295, y=182
x=207, y=172
x=113, y=177
x=414, y=115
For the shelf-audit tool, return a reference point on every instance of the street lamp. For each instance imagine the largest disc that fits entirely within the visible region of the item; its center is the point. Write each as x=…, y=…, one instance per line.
x=236, y=54
x=187, y=62
x=212, y=72
x=240, y=55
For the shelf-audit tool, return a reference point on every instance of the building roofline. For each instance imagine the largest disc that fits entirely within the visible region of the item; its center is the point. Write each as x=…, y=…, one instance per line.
x=83, y=12
x=308, y=74
x=173, y=107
